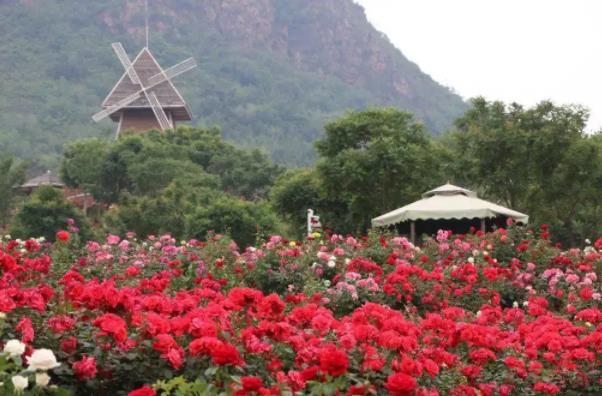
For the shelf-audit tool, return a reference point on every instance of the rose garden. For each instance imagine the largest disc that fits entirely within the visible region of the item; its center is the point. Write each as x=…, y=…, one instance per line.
x=501, y=313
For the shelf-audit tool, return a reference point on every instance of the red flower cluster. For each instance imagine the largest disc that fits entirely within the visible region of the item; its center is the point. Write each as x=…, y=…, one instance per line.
x=484, y=314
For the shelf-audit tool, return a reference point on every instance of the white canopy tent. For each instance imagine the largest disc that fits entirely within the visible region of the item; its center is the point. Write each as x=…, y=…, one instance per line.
x=446, y=203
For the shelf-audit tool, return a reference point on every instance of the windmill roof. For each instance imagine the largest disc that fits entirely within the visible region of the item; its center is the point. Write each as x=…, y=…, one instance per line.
x=47, y=179
x=147, y=66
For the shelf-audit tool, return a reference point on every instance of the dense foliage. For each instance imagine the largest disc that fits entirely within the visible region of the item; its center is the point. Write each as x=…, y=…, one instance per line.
x=270, y=72
x=12, y=174
x=45, y=212
x=537, y=160
x=372, y=161
x=505, y=313
x=186, y=182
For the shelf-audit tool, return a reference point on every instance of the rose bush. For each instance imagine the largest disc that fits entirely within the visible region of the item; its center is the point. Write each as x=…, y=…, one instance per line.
x=502, y=313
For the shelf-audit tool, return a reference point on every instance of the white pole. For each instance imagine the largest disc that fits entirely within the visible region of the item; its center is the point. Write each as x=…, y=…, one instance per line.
x=310, y=215
x=146, y=20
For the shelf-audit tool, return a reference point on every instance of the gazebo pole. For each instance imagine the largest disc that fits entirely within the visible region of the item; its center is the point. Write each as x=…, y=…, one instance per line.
x=483, y=225
x=413, y=232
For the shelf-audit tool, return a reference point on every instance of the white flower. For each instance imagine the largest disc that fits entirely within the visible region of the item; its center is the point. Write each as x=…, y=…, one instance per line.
x=2, y=315
x=588, y=242
x=20, y=382
x=347, y=261
x=327, y=283
x=7, y=236
x=471, y=260
x=331, y=264
x=14, y=348
x=515, y=304
x=42, y=359
x=42, y=379
x=478, y=313
x=526, y=304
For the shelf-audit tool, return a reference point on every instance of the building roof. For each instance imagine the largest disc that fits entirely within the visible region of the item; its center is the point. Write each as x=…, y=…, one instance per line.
x=47, y=179
x=448, y=202
x=147, y=66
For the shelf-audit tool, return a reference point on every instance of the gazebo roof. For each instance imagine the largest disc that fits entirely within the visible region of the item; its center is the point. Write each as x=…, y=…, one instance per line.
x=47, y=179
x=448, y=202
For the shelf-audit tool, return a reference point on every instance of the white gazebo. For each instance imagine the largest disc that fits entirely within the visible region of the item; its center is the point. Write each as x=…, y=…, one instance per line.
x=448, y=202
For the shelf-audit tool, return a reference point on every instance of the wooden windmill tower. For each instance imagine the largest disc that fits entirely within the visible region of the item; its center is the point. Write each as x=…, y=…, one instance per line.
x=145, y=98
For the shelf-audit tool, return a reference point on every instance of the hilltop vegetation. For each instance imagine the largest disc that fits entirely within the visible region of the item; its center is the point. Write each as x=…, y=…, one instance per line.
x=271, y=73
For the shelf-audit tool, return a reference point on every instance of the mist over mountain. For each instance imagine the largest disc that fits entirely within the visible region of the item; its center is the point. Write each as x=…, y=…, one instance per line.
x=271, y=72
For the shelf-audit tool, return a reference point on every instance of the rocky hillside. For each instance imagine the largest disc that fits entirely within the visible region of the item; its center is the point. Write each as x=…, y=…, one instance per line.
x=271, y=71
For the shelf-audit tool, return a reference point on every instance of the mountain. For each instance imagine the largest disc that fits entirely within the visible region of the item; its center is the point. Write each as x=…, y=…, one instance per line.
x=271, y=72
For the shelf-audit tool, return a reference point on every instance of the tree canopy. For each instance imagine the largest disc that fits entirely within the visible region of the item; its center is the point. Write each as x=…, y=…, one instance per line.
x=537, y=160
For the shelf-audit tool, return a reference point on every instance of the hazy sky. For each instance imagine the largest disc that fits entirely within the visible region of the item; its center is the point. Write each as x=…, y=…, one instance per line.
x=512, y=50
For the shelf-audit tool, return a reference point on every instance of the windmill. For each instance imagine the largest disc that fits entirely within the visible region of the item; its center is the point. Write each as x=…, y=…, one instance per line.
x=145, y=97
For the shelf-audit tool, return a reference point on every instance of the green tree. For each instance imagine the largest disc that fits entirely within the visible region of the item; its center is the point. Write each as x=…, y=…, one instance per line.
x=538, y=160
x=82, y=164
x=45, y=213
x=12, y=174
x=293, y=193
x=145, y=164
x=184, y=210
x=374, y=161
x=244, y=221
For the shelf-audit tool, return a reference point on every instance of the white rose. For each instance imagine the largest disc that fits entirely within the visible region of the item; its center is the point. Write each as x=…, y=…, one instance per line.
x=42, y=379
x=327, y=283
x=42, y=359
x=515, y=304
x=331, y=264
x=471, y=260
x=20, y=382
x=14, y=348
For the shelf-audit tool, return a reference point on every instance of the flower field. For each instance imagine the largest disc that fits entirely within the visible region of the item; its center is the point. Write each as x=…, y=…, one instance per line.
x=503, y=313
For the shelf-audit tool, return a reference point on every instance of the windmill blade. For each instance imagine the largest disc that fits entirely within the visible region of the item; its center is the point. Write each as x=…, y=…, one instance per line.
x=125, y=61
x=158, y=110
x=111, y=109
x=173, y=71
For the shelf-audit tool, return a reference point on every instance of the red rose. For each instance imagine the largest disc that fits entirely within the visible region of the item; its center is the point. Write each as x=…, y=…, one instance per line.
x=546, y=388
x=226, y=354
x=25, y=327
x=112, y=324
x=333, y=361
x=144, y=391
x=400, y=384
x=251, y=384
x=62, y=236
x=85, y=368
x=203, y=345
x=163, y=343
x=598, y=243
x=586, y=293
x=69, y=345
